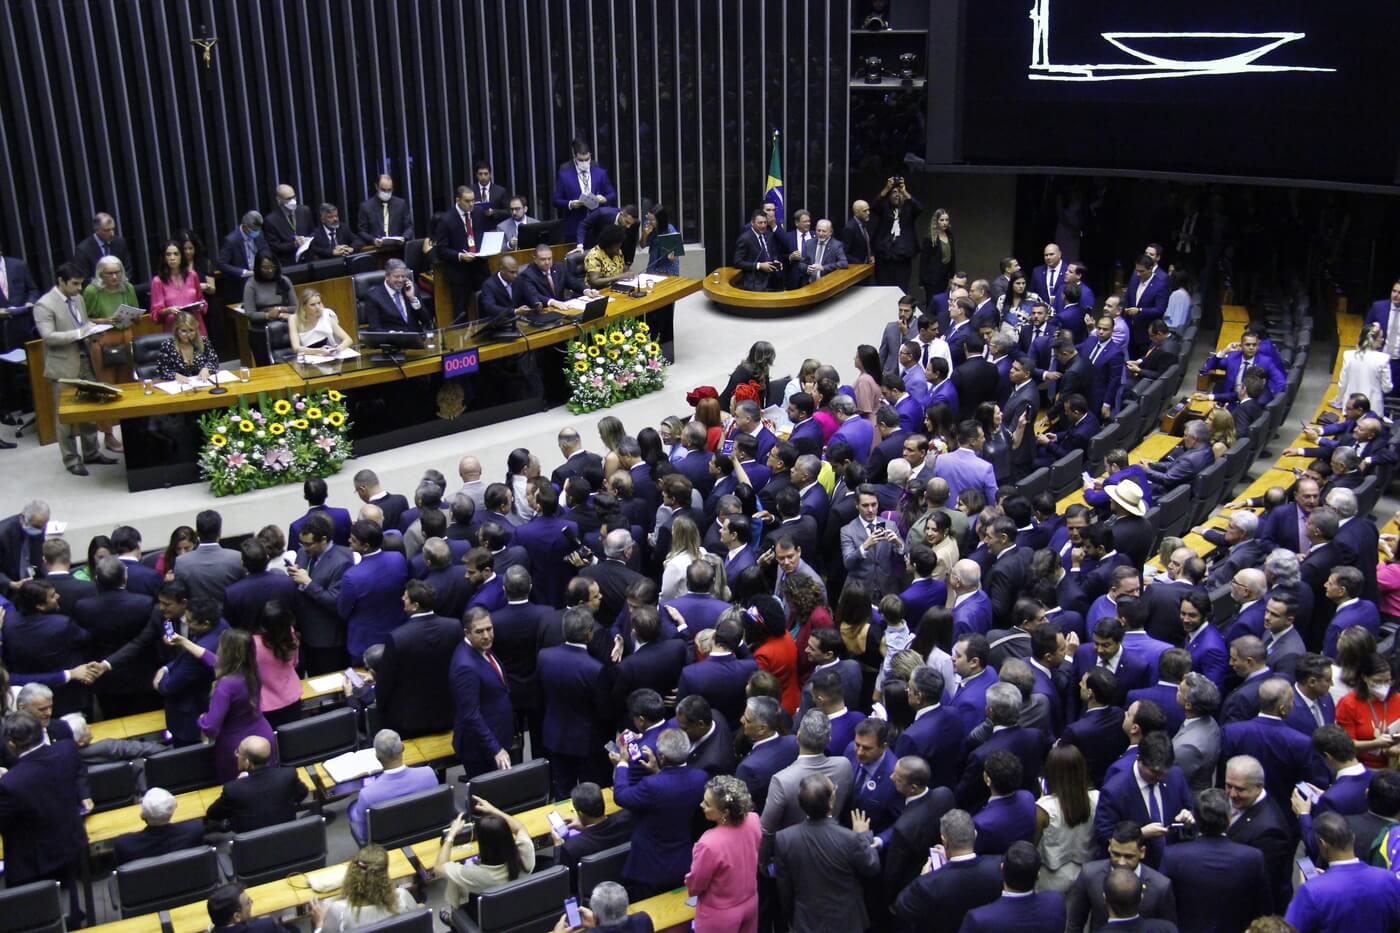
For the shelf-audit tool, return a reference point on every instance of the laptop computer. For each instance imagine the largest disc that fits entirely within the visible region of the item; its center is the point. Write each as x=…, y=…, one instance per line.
x=532, y=235
x=593, y=310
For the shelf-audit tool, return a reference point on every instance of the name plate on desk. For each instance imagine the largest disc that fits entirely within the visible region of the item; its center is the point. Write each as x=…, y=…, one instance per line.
x=461, y=364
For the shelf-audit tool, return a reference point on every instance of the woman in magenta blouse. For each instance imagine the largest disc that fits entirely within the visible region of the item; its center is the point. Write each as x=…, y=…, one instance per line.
x=723, y=876
x=235, y=710
x=176, y=286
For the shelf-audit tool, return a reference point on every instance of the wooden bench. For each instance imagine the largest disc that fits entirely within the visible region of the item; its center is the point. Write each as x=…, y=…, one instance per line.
x=726, y=293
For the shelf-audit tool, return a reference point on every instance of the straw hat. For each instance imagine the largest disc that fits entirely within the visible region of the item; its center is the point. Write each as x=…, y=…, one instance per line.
x=1128, y=495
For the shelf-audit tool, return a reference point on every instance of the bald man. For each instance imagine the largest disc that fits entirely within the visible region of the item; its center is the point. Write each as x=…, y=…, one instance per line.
x=262, y=795
x=822, y=255
x=858, y=235
x=287, y=225
x=469, y=469
x=500, y=297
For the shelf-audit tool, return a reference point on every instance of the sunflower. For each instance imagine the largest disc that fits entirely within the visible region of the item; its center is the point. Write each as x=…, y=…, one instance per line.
x=580, y=366
x=643, y=327
x=301, y=424
x=218, y=440
x=314, y=414
x=616, y=337
x=593, y=351
x=335, y=419
x=653, y=348
x=277, y=428
x=334, y=396
x=629, y=349
x=599, y=339
x=639, y=337
x=612, y=354
x=282, y=406
x=246, y=426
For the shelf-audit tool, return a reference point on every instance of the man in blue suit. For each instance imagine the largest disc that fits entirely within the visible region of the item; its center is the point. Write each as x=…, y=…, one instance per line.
x=695, y=465
x=502, y=295
x=806, y=433
x=823, y=255
x=1343, y=587
x=1077, y=428
x=575, y=704
x=1048, y=280
x=697, y=605
x=1152, y=794
x=1313, y=706
x=239, y=251
x=770, y=752
x=854, y=429
x=314, y=491
x=972, y=607
x=1235, y=365
x=971, y=659
x=1074, y=275
x=937, y=733
x=394, y=781
x=1020, y=906
x=1349, y=895
x=484, y=724
x=662, y=805
x=1350, y=782
x=1195, y=456
x=940, y=385
x=1146, y=301
x=872, y=763
x=1286, y=755
x=1171, y=667
x=925, y=592
x=722, y=677
x=580, y=188
x=1130, y=671
x=244, y=599
x=548, y=538
x=1106, y=365
x=1098, y=732
x=1009, y=815
x=1250, y=662
x=371, y=592
x=411, y=678
x=1028, y=745
x=41, y=808
x=1221, y=884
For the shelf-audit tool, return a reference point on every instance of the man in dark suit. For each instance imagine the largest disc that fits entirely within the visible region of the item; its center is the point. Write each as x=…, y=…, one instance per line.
x=1123, y=799
x=577, y=461
x=383, y=215
x=858, y=233
x=1260, y=823
x=1236, y=366
x=662, y=805
x=769, y=752
x=1161, y=354
x=411, y=679
x=975, y=378
x=160, y=837
x=488, y=192
x=267, y=795
x=548, y=539
x=112, y=618
x=580, y=187
x=1194, y=457
x=1076, y=429
x=611, y=574
x=1285, y=755
x=1072, y=375
x=239, y=251
x=1130, y=672
x=1123, y=897
x=210, y=567
x=126, y=542
x=103, y=242
x=1106, y=366
x=245, y=598
x=330, y=239
x=22, y=546
x=1028, y=745
x=597, y=220
x=501, y=295
x=936, y=734
x=1358, y=539
x=550, y=284
x=1145, y=301
x=1010, y=572
x=654, y=662
x=395, y=305
x=711, y=741
x=818, y=863
x=1220, y=884
x=1048, y=280
x=1020, y=907
x=939, y=901
x=755, y=256
x=319, y=570
x=371, y=592
x=722, y=677
x=315, y=492
x=575, y=695
x=1070, y=312
x=287, y=226
x=41, y=640
x=457, y=240
x=484, y=724
x=58, y=566
x=915, y=830
x=1127, y=849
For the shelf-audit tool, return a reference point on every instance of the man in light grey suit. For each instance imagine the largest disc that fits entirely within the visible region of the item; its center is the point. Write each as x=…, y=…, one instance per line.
x=518, y=218
x=822, y=255
x=819, y=863
x=209, y=568
x=63, y=325
x=1197, y=742
x=1126, y=849
x=783, y=808
x=871, y=549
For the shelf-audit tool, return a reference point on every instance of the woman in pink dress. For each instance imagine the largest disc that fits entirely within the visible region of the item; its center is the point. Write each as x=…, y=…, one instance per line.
x=275, y=646
x=723, y=874
x=175, y=287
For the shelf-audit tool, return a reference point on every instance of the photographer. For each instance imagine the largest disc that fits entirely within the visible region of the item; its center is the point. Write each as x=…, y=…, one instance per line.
x=871, y=549
x=894, y=220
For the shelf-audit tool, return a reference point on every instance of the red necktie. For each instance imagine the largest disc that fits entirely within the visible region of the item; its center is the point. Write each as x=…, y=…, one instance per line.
x=471, y=240
x=491, y=658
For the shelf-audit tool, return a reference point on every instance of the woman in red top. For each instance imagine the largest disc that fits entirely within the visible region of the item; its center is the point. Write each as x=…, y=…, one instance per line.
x=765, y=627
x=1367, y=712
x=807, y=612
x=707, y=412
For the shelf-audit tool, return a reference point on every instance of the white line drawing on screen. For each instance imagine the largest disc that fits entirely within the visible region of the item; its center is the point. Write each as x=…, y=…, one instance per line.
x=1246, y=48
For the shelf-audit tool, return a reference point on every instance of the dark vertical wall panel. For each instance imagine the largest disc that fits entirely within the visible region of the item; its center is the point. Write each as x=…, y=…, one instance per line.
x=105, y=105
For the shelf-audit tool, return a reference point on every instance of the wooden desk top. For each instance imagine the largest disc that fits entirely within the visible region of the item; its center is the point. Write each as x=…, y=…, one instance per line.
x=281, y=379
x=1236, y=314
x=1152, y=447
x=728, y=294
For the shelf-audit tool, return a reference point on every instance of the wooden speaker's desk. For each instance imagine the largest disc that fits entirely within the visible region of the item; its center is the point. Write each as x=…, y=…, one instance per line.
x=725, y=292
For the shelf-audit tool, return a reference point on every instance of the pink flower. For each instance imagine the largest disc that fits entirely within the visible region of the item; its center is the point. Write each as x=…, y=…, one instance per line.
x=237, y=460
x=653, y=365
x=278, y=459
x=301, y=406
x=596, y=382
x=325, y=443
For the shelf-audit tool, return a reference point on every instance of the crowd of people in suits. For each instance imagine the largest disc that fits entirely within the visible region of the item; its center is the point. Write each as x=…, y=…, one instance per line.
x=838, y=672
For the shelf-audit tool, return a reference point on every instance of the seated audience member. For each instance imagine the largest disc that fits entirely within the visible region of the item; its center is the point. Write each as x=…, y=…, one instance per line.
x=591, y=828
x=160, y=837
x=231, y=911
x=396, y=305
x=505, y=851
x=607, y=912
x=1195, y=456
x=186, y=354
x=263, y=795
x=369, y=897
x=106, y=751
x=394, y=781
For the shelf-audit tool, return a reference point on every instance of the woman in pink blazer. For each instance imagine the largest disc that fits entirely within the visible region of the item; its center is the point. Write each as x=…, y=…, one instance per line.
x=176, y=287
x=723, y=874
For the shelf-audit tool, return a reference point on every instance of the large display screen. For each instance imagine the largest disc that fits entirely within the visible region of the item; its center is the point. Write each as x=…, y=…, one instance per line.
x=1284, y=88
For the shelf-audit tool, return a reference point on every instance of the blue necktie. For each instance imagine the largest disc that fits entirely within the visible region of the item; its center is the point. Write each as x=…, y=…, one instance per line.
x=1154, y=812
x=73, y=310
x=398, y=302
x=248, y=251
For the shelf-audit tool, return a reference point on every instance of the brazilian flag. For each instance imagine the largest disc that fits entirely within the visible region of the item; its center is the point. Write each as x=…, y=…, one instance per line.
x=773, y=188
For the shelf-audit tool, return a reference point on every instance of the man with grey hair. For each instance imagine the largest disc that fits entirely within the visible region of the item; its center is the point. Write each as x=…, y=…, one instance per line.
x=612, y=574
x=1323, y=554
x=1247, y=589
x=239, y=251
x=1195, y=456
x=818, y=863
x=662, y=805
x=106, y=751
x=972, y=607
x=782, y=808
x=395, y=305
x=770, y=752
x=395, y=780
x=1249, y=659
x=1244, y=549
x=607, y=909
x=1197, y=742
x=1285, y=753
x=748, y=418
x=1257, y=819
x=22, y=545
x=966, y=880
x=1282, y=573
x=161, y=836
x=1028, y=745
x=853, y=429
x=1357, y=539
x=577, y=460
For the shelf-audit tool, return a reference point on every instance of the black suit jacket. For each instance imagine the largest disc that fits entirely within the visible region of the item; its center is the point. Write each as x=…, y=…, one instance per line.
x=265, y=797
x=412, y=688
x=1221, y=886
x=89, y=251
x=39, y=820
x=1264, y=827
x=18, y=549
x=656, y=665
x=518, y=630
x=583, y=463
x=1134, y=537
x=749, y=251
x=382, y=314
x=498, y=299
x=938, y=902
x=913, y=832
x=70, y=589
x=113, y=619
x=535, y=286
x=1076, y=379
x=976, y=380
x=323, y=243
x=158, y=840
x=1006, y=580
x=232, y=258
x=613, y=577
x=281, y=233
x=369, y=220
x=450, y=239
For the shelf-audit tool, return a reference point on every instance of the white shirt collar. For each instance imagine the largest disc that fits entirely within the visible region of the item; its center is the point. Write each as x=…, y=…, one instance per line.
x=927, y=709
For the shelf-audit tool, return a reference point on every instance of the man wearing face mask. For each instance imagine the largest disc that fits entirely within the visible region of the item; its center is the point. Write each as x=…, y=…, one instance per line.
x=239, y=251
x=288, y=225
x=581, y=187
x=519, y=217
x=383, y=217
x=22, y=545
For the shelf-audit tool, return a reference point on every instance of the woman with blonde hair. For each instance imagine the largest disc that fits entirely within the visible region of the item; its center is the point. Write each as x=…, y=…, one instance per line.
x=610, y=430
x=369, y=896
x=1365, y=370
x=186, y=355
x=1222, y=427
x=313, y=328
x=685, y=550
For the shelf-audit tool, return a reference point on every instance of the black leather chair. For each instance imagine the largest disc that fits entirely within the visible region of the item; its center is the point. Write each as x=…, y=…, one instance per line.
x=1175, y=512
x=275, y=851
x=145, y=350
x=1100, y=444
x=410, y=921
x=279, y=342
x=317, y=738
x=1222, y=604
x=361, y=284
x=36, y=907
x=526, y=905
x=411, y=818
x=112, y=785
x=594, y=869
x=298, y=274
x=357, y=263
x=573, y=263
x=1066, y=474
x=164, y=881
x=519, y=788
x=1034, y=483
x=322, y=269
x=1206, y=490
x=182, y=769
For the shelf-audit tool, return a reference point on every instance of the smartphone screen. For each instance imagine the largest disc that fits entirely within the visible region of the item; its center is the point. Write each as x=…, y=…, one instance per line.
x=726, y=448
x=169, y=630
x=556, y=823
x=612, y=748
x=571, y=912
x=935, y=858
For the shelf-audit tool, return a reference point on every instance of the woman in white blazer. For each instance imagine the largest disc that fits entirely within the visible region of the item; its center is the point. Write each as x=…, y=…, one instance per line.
x=1365, y=370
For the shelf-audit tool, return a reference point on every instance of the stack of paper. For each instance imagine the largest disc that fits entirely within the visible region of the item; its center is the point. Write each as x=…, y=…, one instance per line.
x=174, y=387
x=352, y=765
x=327, y=683
x=349, y=353
x=642, y=280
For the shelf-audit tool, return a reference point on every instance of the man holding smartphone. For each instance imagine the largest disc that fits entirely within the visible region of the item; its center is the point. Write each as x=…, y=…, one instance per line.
x=870, y=548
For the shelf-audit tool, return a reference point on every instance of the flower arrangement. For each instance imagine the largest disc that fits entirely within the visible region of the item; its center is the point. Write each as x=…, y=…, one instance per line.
x=611, y=364
x=272, y=442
